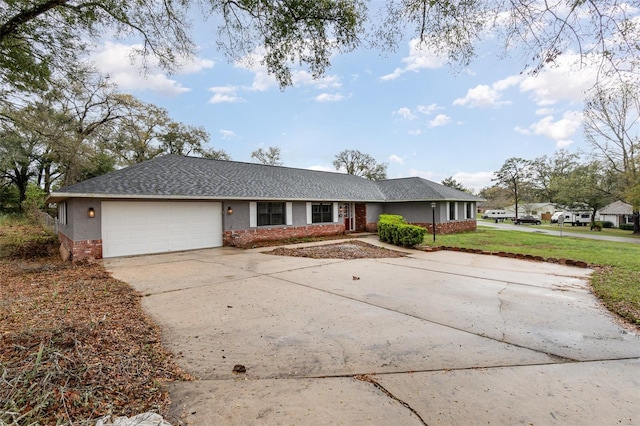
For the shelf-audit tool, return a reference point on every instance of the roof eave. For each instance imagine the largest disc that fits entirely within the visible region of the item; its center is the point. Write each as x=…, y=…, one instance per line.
x=56, y=197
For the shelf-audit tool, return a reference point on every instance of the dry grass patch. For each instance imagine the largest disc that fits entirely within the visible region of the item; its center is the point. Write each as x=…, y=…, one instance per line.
x=75, y=344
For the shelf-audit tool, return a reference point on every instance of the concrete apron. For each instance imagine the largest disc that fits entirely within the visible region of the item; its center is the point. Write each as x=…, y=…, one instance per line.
x=432, y=338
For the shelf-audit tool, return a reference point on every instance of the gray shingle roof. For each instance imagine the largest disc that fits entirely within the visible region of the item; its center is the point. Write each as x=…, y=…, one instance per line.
x=419, y=189
x=174, y=176
x=617, y=207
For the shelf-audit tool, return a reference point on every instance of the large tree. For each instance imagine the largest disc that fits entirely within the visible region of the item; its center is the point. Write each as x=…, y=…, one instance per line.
x=452, y=183
x=357, y=163
x=515, y=175
x=39, y=38
x=604, y=32
x=548, y=171
x=587, y=187
x=496, y=197
x=269, y=156
x=612, y=127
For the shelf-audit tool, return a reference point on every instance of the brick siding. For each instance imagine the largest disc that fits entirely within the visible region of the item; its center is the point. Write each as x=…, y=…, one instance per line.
x=83, y=249
x=245, y=237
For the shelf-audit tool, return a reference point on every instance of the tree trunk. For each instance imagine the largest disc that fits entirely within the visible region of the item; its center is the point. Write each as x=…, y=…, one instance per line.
x=636, y=222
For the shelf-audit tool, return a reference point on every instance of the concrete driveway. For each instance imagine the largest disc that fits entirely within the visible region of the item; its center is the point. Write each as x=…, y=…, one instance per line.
x=432, y=338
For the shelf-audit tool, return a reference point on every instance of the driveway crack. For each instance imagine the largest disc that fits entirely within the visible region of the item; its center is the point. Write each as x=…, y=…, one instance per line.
x=504, y=322
x=367, y=378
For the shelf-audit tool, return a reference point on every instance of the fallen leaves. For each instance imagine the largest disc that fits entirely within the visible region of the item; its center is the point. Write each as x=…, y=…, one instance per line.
x=75, y=344
x=344, y=250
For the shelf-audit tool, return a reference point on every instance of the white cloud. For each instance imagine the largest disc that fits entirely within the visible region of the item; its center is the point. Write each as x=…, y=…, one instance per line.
x=227, y=134
x=561, y=130
x=329, y=97
x=474, y=181
x=419, y=58
x=428, y=110
x=440, y=120
x=124, y=68
x=416, y=132
x=396, y=159
x=405, y=113
x=481, y=96
x=224, y=94
x=544, y=111
x=562, y=81
x=263, y=81
x=304, y=78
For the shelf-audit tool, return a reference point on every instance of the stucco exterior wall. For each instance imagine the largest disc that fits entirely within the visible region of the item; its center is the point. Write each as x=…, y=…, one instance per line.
x=85, y=227
x=240, y=217
x=79, y=225
x=82, y=235
x=414, y=211
x=299, y=211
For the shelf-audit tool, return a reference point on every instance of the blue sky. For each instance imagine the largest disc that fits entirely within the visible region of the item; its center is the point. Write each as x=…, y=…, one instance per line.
x=409, y=109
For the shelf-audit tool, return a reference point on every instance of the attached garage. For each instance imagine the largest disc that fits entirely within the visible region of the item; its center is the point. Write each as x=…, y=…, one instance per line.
x=144, y=227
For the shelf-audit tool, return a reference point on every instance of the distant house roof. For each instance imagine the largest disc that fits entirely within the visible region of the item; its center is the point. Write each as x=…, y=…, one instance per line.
x=179, y=177
x=616, y=208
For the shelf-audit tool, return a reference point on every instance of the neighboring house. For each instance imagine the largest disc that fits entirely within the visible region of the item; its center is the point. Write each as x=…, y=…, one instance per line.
x=618, y=213
x=174, y=203
x=542, y=210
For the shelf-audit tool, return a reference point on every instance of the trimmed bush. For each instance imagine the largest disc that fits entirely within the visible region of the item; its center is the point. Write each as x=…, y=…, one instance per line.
x=607, y=224
x=626, y=226
x=395, y=230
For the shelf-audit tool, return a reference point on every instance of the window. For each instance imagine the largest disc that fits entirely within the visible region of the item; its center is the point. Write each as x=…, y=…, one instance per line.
x=321, y=213
x=62, y=213
x=271, y=214
x=469, y=211
x=452, y=211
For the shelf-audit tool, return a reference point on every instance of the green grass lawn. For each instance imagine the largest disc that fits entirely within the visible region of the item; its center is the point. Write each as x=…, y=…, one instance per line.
x=616, y=280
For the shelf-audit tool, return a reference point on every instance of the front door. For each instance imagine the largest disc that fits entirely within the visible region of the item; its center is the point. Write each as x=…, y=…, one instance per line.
x=348, y=213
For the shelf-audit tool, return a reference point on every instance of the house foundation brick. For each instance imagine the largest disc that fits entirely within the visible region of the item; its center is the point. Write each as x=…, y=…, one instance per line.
x=83, y=249
x=246, y=237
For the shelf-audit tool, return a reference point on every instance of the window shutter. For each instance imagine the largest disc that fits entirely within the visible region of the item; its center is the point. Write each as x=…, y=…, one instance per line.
x=309, y=213
x=289, y=214
x=335, y=213
x=253, y=214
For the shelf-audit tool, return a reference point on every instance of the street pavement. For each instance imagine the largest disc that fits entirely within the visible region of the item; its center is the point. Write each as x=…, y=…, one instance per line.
x=561, y=232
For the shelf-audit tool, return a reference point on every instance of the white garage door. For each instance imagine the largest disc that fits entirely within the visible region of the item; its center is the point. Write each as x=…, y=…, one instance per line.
x=142, y=227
